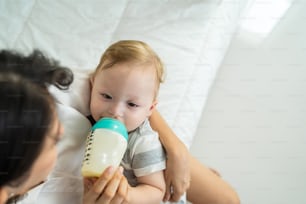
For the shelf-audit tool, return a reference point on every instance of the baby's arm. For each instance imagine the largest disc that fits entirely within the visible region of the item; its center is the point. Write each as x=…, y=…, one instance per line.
x=150, y=189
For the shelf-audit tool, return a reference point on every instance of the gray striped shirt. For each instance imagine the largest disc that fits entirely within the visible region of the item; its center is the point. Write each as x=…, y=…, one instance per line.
x=144, y=155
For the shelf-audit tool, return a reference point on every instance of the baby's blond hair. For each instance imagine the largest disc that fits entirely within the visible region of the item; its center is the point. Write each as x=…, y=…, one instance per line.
x=131, y=51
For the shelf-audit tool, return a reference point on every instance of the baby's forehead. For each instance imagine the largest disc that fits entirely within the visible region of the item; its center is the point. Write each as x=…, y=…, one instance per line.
x=128, y=61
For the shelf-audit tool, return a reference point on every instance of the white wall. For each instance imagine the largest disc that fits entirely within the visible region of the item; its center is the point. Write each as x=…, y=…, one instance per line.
x=253, y=128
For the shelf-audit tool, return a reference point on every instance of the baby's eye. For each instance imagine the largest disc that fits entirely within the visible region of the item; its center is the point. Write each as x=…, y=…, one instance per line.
x=133, y=105
x=106, y=96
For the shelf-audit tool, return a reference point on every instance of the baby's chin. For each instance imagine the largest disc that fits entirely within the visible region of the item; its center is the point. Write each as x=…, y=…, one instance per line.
x=131, y=129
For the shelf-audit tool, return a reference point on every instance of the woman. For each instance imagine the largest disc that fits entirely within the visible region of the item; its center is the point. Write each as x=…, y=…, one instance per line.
x=29, y=128
x=29, y=132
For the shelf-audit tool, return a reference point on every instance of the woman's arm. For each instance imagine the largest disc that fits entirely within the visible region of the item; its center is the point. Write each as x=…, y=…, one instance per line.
x=208, y=187
x=205, y=185
x=177, y=173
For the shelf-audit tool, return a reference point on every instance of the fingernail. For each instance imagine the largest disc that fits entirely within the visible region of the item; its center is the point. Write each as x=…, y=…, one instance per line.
x=110, y=170
x=166, y=198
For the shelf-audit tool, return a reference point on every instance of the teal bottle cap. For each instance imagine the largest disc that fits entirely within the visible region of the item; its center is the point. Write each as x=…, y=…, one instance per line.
x=111, y=124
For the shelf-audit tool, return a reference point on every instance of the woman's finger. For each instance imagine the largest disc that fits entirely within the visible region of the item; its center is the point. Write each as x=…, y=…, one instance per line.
x=122, y=193
x=87, y=184
x=179, y=189
x=176, y=192
x=103, y=180
x=167, y=195
x=97, y=189
x=111, y=188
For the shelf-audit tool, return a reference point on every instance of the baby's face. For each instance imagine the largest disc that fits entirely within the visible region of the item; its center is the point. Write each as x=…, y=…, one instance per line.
x=126, y=92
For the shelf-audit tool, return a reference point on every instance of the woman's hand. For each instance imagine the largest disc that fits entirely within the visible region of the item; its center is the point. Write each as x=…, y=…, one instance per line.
x=112, y=187
x=177, y=173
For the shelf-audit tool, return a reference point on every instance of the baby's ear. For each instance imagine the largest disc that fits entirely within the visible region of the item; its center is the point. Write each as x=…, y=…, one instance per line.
x=153, y=106
x=91, y=79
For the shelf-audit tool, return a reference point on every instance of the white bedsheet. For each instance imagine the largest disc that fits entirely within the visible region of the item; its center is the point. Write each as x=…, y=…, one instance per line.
x=191, y=37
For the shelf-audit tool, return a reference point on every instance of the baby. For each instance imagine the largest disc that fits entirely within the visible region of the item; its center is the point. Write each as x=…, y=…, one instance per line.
x=125, y=87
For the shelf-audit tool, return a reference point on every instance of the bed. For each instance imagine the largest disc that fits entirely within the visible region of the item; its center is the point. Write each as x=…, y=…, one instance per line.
x=190, y=36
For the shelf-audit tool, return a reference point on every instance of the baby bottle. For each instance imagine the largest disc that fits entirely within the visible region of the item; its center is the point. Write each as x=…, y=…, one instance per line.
x=105, y=146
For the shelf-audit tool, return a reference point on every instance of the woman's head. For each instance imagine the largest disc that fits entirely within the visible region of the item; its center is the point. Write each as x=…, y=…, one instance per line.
x=28, y=118
x=29, y=125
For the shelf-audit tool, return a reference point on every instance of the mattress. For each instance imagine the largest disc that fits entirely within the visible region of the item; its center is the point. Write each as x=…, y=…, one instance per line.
x=191, y=37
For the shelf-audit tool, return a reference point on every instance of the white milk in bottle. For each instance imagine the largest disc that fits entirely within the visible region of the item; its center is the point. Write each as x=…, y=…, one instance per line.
x=105, y=146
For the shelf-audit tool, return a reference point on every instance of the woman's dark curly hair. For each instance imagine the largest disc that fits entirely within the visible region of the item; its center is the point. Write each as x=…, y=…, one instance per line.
x=36, y=67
